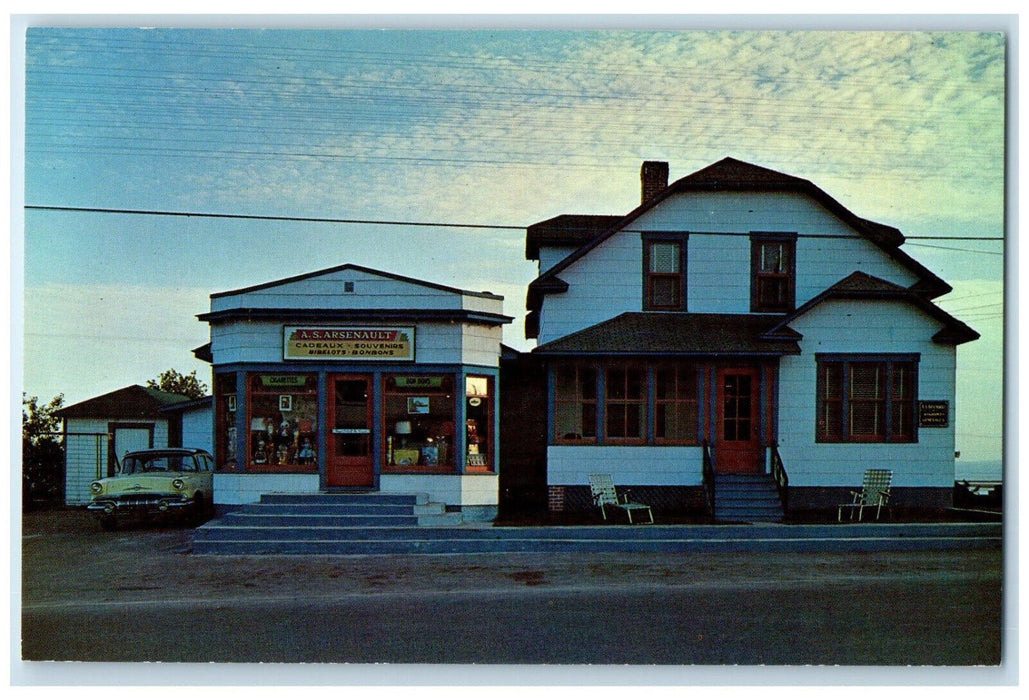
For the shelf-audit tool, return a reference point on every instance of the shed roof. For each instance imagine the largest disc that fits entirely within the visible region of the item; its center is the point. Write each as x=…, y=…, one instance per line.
x=641, y=333
x=130, y=402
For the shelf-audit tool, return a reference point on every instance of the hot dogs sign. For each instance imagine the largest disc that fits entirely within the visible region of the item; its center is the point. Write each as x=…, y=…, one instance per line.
x=351, y=343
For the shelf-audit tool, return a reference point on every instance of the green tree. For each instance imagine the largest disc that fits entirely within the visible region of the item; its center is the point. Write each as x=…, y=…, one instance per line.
x=176, y=383
x=42, y=451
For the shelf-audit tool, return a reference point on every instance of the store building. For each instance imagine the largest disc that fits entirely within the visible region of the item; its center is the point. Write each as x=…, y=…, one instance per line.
x=353, y=378
x=742, y=319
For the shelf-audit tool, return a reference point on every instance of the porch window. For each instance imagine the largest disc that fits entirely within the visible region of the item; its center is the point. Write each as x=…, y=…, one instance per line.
x=664, y=273
x=575, y=402
x=625, y=404
x=862, y=399
x=675, y=404
x=773, y=273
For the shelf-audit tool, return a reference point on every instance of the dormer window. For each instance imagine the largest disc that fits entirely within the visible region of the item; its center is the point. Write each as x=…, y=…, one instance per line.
x=664, y=266
x=773, y=272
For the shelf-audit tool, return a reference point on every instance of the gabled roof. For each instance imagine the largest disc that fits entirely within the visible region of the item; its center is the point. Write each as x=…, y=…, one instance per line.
x=641, y=333
x=357, y=268
x=727, y=175
x=859, y=285
x=131, y=402
x=349, y=316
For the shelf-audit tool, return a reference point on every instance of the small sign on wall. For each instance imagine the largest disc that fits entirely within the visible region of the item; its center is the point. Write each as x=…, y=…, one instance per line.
x=933, y=414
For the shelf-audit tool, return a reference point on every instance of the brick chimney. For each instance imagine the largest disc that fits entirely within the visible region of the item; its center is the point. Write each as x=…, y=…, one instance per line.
x=654, y=177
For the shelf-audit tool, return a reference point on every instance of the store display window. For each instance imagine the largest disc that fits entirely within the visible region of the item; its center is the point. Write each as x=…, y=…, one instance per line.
x=225, y=421
x=282, y=421
x=478, y=423
x=418, y=422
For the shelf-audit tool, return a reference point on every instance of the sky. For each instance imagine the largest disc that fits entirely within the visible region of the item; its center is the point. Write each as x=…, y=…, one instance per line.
x=499, y=128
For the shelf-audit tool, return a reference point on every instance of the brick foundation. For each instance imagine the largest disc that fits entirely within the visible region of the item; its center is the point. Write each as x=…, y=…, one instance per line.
x=556, y=499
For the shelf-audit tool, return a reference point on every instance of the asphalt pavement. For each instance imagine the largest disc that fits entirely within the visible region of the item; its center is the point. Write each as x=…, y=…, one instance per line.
x=140, y=595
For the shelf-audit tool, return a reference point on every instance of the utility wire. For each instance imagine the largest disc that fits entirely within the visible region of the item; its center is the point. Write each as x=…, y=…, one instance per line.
x=434, y=224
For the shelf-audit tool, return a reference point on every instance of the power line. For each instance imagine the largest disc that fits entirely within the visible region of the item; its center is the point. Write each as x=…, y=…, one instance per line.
x=398, y=222
x=265, y=217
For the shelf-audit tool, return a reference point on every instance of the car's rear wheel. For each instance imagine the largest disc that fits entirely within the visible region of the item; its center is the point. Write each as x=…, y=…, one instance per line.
x=109, y=523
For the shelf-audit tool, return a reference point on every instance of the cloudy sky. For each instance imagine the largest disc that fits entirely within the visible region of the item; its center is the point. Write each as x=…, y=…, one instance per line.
x=418, y=129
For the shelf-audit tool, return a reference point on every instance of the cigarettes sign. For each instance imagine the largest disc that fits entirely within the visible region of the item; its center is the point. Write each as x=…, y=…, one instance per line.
x=352, y=343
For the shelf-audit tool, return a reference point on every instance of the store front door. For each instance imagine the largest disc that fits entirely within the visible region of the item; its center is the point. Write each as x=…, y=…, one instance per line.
x=348, y=460
x=738, y=415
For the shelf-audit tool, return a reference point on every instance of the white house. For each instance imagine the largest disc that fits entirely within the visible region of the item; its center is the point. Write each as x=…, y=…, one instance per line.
x=742, y=316
x=352, y=378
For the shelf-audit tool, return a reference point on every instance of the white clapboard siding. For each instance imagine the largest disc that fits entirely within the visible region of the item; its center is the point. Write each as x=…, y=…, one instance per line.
x=196, y=429
x=865, y=327
x=602, y=285
x=86, y=455
x=628, y=465
x=371, y=291
x=550, y=256
x=442, y=343
x=608, y=281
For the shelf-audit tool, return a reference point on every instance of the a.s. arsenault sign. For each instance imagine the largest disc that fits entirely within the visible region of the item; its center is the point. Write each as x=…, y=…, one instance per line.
x=351, y=343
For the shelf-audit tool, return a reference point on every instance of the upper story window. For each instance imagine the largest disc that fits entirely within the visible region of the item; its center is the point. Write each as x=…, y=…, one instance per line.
x=773, y=272
x=664, y=273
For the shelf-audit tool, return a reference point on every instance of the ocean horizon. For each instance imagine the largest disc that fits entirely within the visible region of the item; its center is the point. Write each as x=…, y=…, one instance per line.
x=985, y=470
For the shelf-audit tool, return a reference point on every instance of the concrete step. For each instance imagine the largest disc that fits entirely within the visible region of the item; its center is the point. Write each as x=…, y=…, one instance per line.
x=347, y=497
x=329, y=517
x=747, y=498
x=294, y=519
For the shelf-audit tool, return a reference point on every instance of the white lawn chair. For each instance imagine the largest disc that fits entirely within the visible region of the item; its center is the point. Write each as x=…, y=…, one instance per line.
x=874, y=493
x=605, y=494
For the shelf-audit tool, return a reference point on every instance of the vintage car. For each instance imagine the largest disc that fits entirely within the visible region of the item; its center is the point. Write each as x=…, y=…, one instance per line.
x=158, y=482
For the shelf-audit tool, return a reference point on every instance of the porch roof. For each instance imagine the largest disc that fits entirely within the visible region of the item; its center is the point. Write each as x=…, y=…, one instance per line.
x=643, y=333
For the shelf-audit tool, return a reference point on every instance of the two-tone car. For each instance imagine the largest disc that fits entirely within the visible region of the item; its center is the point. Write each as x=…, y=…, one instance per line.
x=154, y=483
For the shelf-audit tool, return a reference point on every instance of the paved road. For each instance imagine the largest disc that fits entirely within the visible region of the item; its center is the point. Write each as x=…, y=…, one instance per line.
x=155, y=602
x=859, y=620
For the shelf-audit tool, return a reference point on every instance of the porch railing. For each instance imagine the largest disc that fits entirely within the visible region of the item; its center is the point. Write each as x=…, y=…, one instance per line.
x=782, y=479
x=709, y=477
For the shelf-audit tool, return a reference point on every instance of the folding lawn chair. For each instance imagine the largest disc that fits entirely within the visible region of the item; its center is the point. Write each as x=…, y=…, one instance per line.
x=605, y=494
x=874, y=493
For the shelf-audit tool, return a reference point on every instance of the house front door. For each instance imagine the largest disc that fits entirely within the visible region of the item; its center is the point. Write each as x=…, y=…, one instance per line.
x=737, y=421
x=348, y=460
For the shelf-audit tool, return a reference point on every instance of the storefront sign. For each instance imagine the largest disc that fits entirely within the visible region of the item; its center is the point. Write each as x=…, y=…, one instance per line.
x=933, y=414
x=283, y=381
x=360, y=343
x=413, y=382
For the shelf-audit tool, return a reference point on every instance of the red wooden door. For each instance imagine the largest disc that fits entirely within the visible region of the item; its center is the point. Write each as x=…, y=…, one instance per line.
x=348, y=461
x=738, y=414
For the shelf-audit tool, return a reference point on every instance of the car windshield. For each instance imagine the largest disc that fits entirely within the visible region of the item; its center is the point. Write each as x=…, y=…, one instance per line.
x=137, y=464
